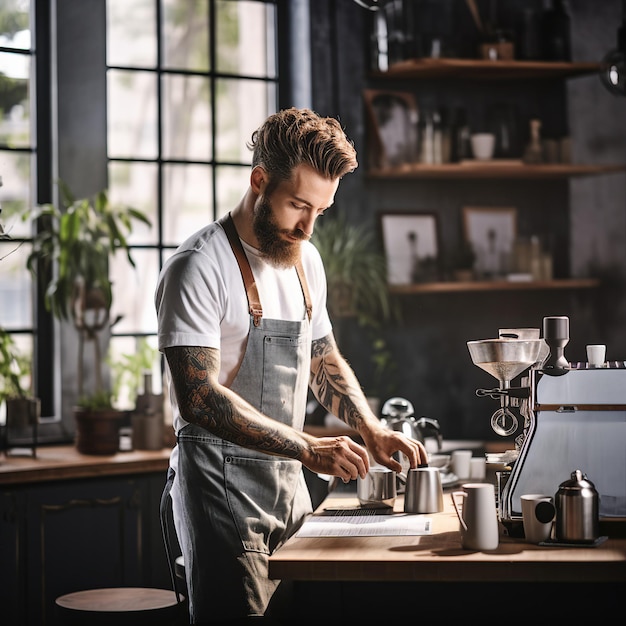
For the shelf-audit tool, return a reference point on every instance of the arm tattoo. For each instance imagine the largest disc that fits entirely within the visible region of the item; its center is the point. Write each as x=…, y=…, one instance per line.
x=202, y=401
x=333, y=382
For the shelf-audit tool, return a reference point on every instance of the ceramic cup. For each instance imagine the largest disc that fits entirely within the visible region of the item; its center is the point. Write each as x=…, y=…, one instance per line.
x=476, y=509
x=483, y=145
x=537, y=516
x=460, y=463
x=423, y=492
x=478, y=468
x=378, y=488
x=596, y=354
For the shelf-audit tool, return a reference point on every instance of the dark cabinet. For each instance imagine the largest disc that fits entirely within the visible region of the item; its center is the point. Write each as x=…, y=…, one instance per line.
x=60, y=537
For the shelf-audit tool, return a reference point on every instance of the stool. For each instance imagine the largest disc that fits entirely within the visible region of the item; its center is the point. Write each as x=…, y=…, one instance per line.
x=121, y=606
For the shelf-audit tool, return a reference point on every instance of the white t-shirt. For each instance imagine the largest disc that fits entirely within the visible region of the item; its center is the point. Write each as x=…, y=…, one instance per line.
x=201, y=300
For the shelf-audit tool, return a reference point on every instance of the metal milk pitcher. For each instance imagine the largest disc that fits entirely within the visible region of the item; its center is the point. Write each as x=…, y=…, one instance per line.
x=577, y=510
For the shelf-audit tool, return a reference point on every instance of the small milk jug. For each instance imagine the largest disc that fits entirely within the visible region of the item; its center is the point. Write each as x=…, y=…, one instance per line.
x=478, y=516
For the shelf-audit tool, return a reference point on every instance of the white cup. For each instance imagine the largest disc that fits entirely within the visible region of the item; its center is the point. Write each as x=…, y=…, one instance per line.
x=478, y=468
x=460, y=463
x=483, y=145
x=537, y=516
x=477, y=516
x=596, y=354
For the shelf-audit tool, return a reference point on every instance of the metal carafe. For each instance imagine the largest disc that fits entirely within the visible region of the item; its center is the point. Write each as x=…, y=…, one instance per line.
x=398, y=414
x=577, y=510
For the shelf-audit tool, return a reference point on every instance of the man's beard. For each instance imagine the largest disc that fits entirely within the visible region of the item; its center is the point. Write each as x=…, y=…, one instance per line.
x=278, y=251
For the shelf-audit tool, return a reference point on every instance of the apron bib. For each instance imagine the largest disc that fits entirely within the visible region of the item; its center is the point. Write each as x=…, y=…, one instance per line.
x=241, y=505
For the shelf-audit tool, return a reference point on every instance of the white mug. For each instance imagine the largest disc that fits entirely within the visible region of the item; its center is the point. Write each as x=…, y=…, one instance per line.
x=537, y=515
x=460, y=463
x=483, y=145
x=478, y=516
x=596, y=353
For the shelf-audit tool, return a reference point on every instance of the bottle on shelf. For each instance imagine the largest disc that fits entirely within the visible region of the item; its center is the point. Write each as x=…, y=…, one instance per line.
x=556, y=31
x=534, y=149
x=460, y=147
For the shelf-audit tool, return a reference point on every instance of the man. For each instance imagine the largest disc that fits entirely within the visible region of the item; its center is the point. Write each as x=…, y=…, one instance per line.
x=243, y=324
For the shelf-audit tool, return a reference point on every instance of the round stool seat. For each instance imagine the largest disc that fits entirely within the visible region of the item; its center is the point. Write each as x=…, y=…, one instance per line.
x=119, y=606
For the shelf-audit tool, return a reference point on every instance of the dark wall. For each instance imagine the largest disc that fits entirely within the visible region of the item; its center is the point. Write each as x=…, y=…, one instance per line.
x=434, y=369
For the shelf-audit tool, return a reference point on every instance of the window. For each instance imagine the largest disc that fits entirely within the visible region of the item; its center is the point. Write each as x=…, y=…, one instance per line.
x=17, y=171
x=187, y=83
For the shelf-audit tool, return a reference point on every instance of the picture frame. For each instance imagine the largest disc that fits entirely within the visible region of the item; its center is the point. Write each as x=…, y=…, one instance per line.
x=491, y=231
x=392, y=118
x=411, y=246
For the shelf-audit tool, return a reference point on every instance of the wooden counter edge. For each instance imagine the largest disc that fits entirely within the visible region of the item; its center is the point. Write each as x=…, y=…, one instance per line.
x=66, y=463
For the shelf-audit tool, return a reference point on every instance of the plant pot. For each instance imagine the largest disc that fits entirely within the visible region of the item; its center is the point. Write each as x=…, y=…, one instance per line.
x=22, y=412
x=98, y=431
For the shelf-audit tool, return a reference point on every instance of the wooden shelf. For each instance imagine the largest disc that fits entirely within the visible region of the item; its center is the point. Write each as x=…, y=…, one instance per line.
x=479, y=69
x=494, y=285
x=493, y=169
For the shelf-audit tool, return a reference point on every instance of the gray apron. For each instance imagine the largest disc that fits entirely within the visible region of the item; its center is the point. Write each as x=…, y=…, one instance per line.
x=241, y=505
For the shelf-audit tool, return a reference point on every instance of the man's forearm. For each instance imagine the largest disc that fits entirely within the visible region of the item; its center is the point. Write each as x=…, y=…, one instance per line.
x=335, y=385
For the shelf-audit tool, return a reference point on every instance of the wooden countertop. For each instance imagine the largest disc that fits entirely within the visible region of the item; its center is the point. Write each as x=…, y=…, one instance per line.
x=65, y=462
x=440, y=556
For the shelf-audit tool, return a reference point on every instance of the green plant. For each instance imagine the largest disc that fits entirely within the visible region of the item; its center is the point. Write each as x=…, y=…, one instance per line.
x=356, y=271
x=15, y=369
x=70, y=256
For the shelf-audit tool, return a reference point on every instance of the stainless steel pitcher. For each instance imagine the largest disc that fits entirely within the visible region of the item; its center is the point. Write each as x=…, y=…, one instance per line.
x=577, y=510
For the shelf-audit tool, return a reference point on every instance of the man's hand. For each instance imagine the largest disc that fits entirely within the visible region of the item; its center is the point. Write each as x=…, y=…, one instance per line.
x=382, y=443
x=336, y=456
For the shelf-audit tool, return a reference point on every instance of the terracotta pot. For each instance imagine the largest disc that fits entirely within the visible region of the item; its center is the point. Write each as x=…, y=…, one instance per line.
x=98, y=431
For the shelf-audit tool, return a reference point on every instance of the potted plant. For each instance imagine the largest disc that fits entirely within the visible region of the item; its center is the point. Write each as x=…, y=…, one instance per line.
x=22, y=408
x=70, y=256
x=356, y=272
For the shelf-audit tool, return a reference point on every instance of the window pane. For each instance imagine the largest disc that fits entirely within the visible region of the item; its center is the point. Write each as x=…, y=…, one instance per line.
x=135, y=184
x=186, y=35
x=126, y=380
x=186, y=118
x=242, y=107
x=132, y=114
x=15, y=286
x=131, y=33
x=14, y=99
x=133, y=291
x=15, y=192
x=187, y=201
x=231, y=184
x=243, y=27
x=15, y=24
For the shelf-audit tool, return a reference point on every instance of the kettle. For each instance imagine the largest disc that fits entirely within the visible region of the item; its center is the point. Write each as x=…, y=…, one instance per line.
x=577, y=510
x=398, y=414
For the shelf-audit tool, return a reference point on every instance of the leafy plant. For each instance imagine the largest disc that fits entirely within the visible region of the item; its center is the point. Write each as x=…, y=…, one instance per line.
x=70, y=256
x=356, y=271
x=15, y=369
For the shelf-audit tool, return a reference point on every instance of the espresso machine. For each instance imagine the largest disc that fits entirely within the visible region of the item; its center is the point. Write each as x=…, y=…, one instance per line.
x=574, y=417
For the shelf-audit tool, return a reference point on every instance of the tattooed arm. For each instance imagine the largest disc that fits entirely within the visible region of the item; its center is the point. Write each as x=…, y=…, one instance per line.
x=335, y=386
x=203, y=401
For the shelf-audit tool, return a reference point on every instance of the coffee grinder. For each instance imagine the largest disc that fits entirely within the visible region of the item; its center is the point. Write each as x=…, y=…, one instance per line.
x=574, y=417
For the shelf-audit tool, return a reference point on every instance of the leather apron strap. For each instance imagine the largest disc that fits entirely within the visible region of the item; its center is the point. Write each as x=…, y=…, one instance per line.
x=252, y=293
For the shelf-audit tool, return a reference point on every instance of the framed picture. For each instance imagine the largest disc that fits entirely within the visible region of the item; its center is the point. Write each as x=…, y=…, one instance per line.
x=491, y=231
x=392, y=128
x=411, y=245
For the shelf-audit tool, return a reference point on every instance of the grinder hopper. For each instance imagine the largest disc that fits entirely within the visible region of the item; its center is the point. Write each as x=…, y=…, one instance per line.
x=504, y=359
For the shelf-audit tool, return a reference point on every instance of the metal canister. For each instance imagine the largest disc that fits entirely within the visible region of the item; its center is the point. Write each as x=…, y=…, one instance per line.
x=577, y=510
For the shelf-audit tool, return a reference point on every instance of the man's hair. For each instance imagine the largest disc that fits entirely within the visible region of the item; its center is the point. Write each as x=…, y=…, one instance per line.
x=294, y=137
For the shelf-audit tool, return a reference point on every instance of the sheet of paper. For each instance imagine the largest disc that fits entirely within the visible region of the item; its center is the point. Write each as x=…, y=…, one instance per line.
x=359, y=525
